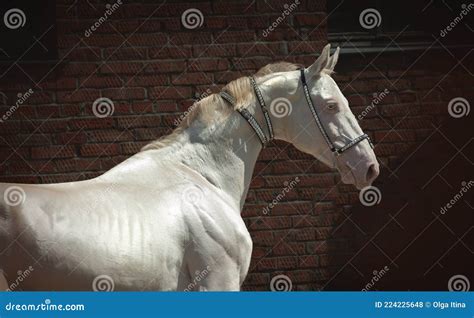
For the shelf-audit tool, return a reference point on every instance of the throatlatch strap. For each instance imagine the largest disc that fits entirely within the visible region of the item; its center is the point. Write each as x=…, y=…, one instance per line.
x=247, y=116
x=263, y=106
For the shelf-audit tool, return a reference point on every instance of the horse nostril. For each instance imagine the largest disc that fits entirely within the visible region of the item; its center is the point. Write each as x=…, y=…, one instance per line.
x=372, y=173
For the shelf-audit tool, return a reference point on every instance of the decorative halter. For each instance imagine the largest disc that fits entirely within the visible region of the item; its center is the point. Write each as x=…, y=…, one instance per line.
x=335, y=150
x=264, y=139
x=249, y=117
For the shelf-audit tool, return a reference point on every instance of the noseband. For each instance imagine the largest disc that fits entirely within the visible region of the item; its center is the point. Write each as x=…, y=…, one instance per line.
x=264, y=139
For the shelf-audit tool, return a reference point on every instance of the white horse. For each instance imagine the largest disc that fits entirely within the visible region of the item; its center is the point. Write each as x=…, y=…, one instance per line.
x=168, y=218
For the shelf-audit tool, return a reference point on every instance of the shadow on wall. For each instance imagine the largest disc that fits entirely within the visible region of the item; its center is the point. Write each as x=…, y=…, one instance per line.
x=421, y=234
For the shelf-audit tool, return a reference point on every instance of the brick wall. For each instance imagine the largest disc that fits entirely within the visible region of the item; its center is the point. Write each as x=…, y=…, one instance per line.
x=152, y=68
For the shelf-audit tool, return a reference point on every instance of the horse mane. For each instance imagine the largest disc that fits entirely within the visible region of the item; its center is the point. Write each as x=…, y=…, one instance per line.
x=240, y=89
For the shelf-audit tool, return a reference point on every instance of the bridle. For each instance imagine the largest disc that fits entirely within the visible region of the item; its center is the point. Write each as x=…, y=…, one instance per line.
x=262, y=136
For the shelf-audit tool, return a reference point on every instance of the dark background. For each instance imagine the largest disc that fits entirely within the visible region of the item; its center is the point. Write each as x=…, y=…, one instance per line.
x=153, y=68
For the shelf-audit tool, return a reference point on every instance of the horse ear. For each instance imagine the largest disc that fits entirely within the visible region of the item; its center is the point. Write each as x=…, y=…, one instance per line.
x=321, y=63
x=333, y=59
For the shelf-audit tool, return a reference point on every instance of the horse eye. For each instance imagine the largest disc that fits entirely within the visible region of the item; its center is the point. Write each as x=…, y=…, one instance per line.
x=332, y=106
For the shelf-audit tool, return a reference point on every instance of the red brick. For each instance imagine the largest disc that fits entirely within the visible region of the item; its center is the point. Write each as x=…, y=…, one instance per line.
x=169, y=92
x=74, y=69
x=142, y=107
x=148, y=40
x=100, y=82
x=124, y=93
x=63, y=83
x=91, y=123
x=125, y=53
x=179, y=38
x=231, y=7
x=208, y=65
x=138, y=121
x=191, y=78
x=213, y=50
x=104, y=40
x=132, y=148
x=77, y=164
x=83, y=54
x=119, y=68
x=166, y=66
x=311, y=20
x=80, y=95
x=52, y=152
x=99, y=150
x=170, y=52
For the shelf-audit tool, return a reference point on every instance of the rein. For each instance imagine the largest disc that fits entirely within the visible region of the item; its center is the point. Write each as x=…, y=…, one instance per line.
x=262, y=136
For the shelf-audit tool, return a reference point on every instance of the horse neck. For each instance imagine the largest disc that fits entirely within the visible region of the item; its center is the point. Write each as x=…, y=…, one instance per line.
x=223, y=152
